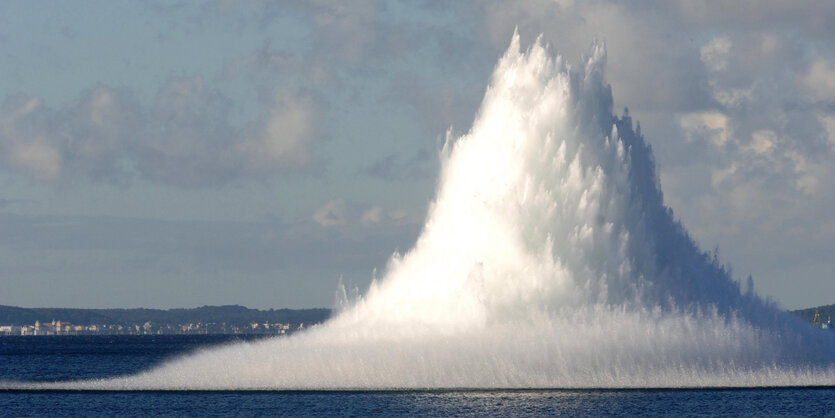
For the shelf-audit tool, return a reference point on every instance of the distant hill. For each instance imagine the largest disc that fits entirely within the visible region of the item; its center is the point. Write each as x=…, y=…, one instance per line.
x=826, y=312
x=230, y=314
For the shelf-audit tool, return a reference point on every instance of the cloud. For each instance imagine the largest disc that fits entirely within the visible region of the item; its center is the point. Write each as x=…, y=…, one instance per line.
x=710, y=125
x=84, y=140
x=332, y=213
x=372, y=216
x=808, y=175
x=821, y=80
x=38, y=158
x=828, y=123
x=185, y=138
x=285, y=138
x=376, y=215
x=715, y=53
x=763, y=142
x=720, y=175
x=341, y=213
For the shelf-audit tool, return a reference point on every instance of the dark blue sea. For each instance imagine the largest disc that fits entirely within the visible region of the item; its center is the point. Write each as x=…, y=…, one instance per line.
x=49, y=358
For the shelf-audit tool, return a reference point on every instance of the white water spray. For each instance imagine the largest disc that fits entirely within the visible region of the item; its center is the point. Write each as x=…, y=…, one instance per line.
x=547, y=260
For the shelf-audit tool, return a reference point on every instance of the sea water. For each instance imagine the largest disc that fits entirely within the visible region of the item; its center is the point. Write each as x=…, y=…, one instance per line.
x=46, y=358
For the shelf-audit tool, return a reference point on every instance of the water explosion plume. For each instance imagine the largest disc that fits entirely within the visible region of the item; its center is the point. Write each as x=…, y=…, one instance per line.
x=548, y=259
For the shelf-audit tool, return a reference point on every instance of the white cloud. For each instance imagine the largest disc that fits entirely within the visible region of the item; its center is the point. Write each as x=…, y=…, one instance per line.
x=332, y=213
x=340, y=212
x=769, y=43
x=828, y=123
x=398, y=214
x=820, y=80
x=720, y=175
x=807, y=173
x=732, y=97
x=40, y=159
x=763, y=141
x=101, y=104
x=372, y=216
x=54, y=146
x=711, y=125
x=715, y=53
x=16, y=108
x=285, y=138
x=185, y=138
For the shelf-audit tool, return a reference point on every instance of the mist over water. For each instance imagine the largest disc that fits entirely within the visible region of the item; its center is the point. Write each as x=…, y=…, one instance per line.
x=548, y=259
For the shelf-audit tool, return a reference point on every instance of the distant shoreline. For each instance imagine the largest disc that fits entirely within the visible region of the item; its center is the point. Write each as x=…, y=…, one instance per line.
x=205, y=320
x=227, y=320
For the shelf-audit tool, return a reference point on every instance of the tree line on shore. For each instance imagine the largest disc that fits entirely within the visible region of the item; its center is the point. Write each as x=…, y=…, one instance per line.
x=234, y=315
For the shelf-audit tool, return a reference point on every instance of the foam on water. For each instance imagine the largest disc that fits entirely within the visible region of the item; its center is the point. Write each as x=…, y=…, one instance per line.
x=548, y=259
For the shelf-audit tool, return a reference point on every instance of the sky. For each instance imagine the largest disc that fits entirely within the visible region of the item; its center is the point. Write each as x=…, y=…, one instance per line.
x=177, y=154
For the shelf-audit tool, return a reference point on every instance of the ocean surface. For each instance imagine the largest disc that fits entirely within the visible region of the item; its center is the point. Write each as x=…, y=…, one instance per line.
x=49, y=358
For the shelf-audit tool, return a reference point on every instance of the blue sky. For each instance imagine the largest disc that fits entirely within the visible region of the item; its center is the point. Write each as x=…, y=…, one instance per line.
x=176, y=154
